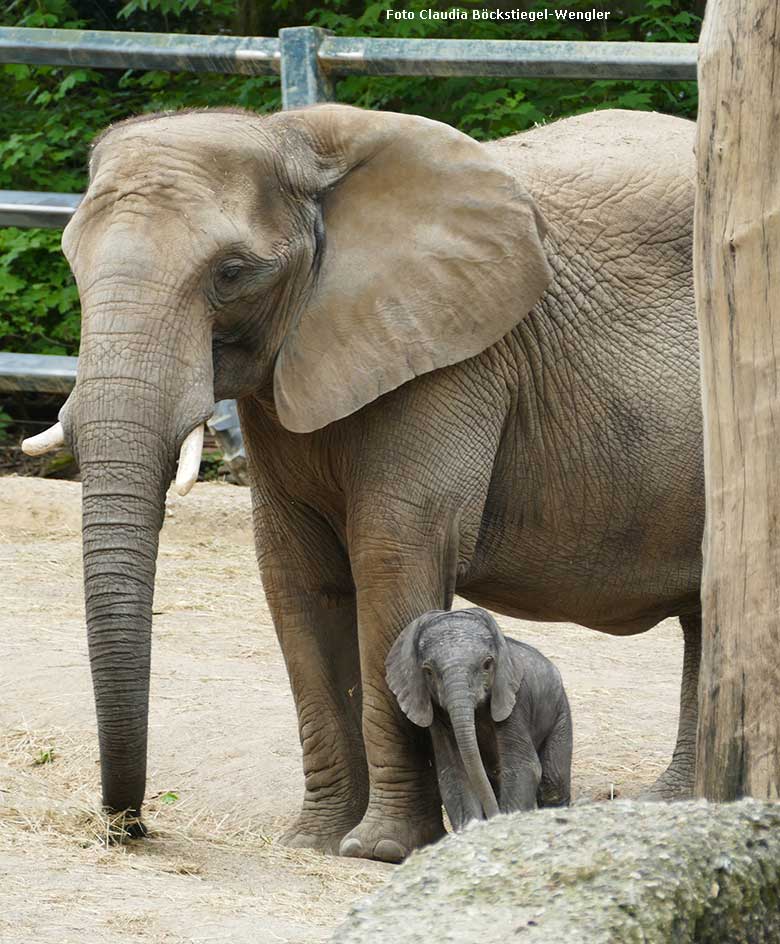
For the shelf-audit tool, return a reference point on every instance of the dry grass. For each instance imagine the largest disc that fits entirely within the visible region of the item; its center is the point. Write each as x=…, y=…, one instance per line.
x=48, y=809
x=223, y=738
x=49, y=798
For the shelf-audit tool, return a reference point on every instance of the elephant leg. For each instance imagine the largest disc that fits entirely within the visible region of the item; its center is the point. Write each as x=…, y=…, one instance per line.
x=394, y=586
x=308, y=585
x=458, y=798
x=555, y=758
x=520, y=770
x=677, y=781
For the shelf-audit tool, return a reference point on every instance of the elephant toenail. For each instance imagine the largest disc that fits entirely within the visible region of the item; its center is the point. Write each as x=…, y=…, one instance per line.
x=352, y=848
x=388, y=851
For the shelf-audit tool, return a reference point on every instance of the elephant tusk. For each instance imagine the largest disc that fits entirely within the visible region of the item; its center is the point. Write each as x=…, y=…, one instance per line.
x=189, y=460
x=51, y=438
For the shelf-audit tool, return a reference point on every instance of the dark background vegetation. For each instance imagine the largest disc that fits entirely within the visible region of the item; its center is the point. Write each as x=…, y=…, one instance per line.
x=49, y=114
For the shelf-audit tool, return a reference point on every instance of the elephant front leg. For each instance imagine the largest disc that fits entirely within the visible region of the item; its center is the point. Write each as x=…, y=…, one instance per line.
x=320, y=647
x=309, y=589
x=520, y=770
x=404, y=807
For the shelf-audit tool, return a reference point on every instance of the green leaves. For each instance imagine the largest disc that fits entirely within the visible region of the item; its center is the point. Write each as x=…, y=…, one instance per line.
x=51, y=114
x=173, y=8
x=39, y=307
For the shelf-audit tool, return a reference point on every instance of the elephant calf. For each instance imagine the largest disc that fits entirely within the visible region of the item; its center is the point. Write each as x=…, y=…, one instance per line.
x=497, y=711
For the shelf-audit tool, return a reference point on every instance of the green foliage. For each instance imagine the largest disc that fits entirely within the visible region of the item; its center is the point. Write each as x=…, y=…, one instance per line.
x=39, y=311
x=50, y=114
x=491, y=108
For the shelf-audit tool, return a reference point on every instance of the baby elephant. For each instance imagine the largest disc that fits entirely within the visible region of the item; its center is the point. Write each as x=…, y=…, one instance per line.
x=498, y=714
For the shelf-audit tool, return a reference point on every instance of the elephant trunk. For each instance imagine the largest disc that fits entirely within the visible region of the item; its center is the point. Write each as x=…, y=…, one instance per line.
x=461, y=712
x=131, y=412
x=122, y=512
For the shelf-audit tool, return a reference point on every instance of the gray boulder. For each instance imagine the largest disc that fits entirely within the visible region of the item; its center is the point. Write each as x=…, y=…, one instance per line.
x=610, y=873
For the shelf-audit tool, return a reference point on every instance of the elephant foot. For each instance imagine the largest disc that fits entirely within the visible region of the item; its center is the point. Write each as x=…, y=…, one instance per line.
x=313, y=832
x=675, y=783
x=389, y=838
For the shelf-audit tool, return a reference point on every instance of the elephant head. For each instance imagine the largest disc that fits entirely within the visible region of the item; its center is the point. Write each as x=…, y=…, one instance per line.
x=325, y=256
x=458, y=661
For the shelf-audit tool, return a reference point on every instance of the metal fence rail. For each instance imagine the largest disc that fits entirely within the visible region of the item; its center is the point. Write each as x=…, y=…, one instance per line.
x=344, y=55
x=28, y=209
x=40, y=373
x=172, y=52
x=308, y=61
x=341, y=55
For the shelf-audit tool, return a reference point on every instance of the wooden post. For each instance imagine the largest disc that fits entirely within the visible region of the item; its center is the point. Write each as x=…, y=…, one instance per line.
x=737, y=273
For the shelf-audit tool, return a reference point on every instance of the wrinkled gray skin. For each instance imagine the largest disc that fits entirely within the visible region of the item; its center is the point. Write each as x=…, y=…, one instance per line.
x=554, y=474
x=496, y=710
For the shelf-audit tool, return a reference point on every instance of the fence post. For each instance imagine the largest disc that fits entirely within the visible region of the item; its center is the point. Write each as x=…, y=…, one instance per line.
x=304, y=82
x=736, y=252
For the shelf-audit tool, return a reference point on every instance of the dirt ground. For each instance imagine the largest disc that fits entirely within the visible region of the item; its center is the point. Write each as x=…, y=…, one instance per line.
x=224, y=758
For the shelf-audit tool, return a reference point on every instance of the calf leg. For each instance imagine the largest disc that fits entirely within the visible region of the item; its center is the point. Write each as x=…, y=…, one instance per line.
x=520, y=770
x=555, y=758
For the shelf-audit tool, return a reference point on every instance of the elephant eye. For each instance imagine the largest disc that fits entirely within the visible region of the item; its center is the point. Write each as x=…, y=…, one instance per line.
x=230, y=270
x=236, y=274
x=488, y=664
x=428, y=671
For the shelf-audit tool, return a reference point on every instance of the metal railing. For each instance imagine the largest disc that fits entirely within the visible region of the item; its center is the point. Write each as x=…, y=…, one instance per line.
x=308, y=61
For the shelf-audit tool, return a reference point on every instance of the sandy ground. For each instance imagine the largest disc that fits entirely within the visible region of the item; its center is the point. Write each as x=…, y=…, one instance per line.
x=224, y=758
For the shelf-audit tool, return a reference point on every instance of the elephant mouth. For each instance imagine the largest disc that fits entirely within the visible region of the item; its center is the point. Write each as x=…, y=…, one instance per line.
x=190, y=452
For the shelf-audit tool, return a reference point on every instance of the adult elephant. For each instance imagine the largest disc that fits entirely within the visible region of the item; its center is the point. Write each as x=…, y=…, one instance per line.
x=460, y=367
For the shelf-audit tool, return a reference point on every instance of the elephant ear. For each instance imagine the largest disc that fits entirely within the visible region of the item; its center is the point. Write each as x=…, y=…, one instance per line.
x=432, y=252
x=405, y=676
x=507, y=677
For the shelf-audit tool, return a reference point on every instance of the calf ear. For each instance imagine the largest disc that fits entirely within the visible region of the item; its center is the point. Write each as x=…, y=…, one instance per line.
x=507, y=677
x=405, y=676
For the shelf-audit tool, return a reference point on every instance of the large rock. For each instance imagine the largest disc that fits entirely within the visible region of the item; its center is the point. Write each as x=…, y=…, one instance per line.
x=611, y=873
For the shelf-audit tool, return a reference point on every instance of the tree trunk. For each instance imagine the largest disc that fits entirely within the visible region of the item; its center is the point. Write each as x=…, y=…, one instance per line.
x=737, y=260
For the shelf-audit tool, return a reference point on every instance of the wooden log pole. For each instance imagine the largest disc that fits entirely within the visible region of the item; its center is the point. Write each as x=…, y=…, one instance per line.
x=737, y=276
